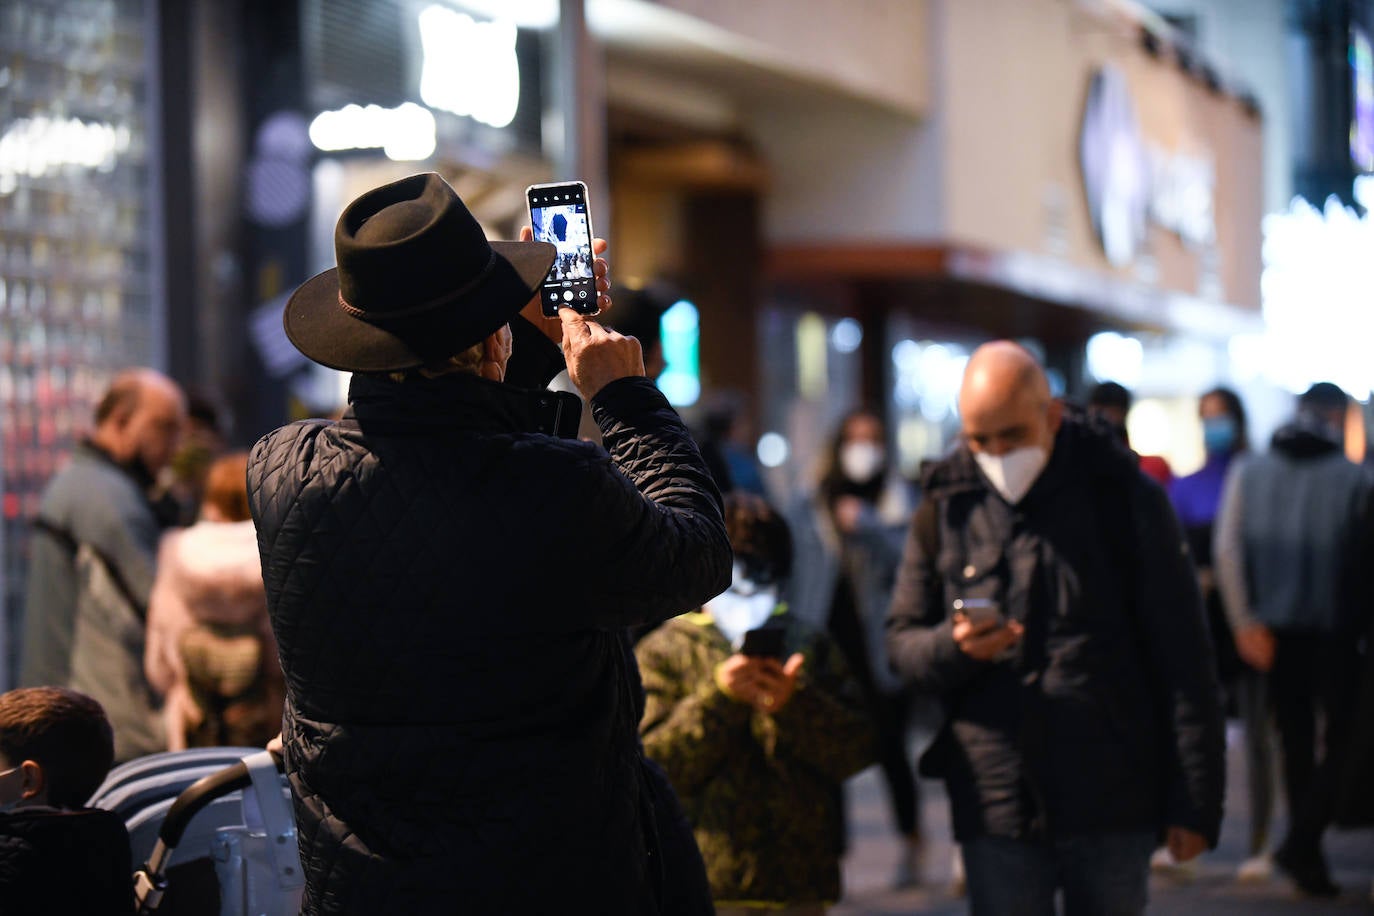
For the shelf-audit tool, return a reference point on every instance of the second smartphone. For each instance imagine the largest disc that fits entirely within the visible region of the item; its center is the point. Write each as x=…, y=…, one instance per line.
x=558, y=214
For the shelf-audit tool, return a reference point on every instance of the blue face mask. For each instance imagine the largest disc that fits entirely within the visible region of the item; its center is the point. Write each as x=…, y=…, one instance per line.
x=1219, y=435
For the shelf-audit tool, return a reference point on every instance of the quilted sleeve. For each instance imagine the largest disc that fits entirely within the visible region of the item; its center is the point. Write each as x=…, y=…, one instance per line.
x=652, y=512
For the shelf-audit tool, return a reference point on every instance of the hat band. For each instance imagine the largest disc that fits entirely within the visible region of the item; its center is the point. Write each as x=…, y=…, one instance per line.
x=382, y=317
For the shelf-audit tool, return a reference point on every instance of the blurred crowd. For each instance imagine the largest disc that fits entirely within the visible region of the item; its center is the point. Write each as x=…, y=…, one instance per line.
x=1075, y=622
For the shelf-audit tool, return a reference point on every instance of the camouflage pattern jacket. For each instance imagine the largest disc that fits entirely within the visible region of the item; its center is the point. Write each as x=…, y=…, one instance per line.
x=763, y=792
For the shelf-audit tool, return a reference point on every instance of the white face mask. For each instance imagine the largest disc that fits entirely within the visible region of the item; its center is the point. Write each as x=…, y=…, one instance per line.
x=742, y=607
x=1014, y=473
x=861, y=461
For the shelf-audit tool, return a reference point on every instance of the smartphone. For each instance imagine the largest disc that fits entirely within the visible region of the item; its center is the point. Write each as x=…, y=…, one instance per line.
x=558, y=214
x=763, y=642
x=979, y=610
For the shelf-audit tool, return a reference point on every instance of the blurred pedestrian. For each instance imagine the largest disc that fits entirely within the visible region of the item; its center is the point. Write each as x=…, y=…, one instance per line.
x=1197, y=498
x=724, y=445
x=93, y=553
x=757, y=746
x=1197, y=501
x=182, y=483
x=1110, y=403
x=210, y=648
x=1046, y=597
x=450, y=590
x=848, y=542
x=56, y=855
x=1294, y=538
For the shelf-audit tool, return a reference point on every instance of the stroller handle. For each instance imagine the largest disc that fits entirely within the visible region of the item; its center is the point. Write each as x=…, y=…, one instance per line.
x=149, y=881
x=201, y=793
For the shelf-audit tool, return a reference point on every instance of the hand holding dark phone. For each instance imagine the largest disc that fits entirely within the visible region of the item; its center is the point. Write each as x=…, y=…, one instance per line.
x=559, y=215
x=763, y=642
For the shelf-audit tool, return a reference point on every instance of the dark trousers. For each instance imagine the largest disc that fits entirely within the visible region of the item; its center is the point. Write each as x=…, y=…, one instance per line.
x=1101, y=874
x=890, y=711
x=1314, y=678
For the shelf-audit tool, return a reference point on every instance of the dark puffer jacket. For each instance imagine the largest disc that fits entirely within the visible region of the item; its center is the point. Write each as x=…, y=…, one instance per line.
x=1107, y=718
x=448, y=592
x=64, y=860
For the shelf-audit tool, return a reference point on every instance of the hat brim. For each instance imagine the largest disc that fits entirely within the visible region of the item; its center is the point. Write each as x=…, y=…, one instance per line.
x=318, y=327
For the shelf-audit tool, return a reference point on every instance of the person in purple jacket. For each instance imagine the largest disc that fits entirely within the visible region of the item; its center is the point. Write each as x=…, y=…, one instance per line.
x=1197, y=497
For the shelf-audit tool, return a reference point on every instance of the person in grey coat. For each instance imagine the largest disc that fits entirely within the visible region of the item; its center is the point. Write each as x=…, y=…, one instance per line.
x=1293, y=541
x=93, y=551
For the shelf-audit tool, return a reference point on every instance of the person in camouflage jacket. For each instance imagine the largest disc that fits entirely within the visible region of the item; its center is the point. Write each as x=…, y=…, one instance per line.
x=756, y=748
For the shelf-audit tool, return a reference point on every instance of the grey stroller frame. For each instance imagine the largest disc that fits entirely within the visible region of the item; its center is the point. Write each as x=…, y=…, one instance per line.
x=228, y=805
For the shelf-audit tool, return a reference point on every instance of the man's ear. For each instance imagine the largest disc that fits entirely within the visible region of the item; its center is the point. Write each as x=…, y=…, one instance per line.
x=495, y=354
x=34, y=779
x=1055, y=415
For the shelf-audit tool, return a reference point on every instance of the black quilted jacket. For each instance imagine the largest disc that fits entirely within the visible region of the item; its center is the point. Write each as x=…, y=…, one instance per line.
x=447, y=591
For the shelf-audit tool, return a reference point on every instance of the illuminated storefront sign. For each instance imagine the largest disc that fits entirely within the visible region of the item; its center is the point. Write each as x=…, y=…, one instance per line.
x=1362, y=78
x=39, y=146
x=680, y=332
x=1316, y=283
x=470, y=67
x=1130, y=182
x=404, y=133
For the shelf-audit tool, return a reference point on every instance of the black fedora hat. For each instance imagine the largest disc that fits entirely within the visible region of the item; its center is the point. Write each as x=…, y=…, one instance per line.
x=416, y=282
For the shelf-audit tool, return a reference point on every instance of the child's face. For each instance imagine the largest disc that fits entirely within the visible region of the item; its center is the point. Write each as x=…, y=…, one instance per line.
x=14, y=784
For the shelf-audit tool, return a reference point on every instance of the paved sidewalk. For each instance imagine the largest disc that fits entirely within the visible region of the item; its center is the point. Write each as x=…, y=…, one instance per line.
x=874, y=847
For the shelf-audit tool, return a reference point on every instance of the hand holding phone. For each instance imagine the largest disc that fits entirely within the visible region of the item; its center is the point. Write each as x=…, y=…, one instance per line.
x=767, y=684
x=559, y=215
x=763, y=642
x=982, y=632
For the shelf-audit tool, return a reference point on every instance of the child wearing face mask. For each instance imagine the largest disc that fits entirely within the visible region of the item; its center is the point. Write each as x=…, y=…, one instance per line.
x=756, y=747
x=56, y=746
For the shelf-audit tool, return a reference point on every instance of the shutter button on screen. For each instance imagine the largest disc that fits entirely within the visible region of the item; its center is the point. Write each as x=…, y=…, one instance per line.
x=567, y=294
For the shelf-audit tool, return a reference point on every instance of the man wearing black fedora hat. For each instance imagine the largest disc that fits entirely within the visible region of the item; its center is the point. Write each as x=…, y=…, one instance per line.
x=449, y=587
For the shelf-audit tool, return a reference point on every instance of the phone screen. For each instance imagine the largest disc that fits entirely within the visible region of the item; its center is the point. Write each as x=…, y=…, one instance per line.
x=558, y=214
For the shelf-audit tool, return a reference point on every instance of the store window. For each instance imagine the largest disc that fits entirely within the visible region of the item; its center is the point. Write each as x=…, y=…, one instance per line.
x=77, y=273
x=810, y=375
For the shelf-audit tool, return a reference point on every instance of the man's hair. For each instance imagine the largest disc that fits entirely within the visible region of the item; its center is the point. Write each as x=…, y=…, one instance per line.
x=1323, y=397
x=121, y=398
x=759, y=536
x=1110, y=394
x=468, y=360
x=64, y=732
x=226, y=487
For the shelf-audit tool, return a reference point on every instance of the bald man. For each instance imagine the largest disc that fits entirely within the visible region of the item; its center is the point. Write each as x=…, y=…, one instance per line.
x=1046, y=596
x=91, y=567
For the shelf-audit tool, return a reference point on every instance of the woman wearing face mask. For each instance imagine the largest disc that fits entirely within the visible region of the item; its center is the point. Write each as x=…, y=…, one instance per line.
x=756, y=746
x=849, y=536
x=1196, y=499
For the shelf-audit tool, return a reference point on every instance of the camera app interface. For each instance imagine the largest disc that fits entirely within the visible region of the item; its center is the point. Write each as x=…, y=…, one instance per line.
x=559, y=215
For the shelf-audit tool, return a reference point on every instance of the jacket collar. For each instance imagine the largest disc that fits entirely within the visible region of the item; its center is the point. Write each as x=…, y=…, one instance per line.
x=1079, y=448
x=449, y=403
x=535, y=360
x=134, y=471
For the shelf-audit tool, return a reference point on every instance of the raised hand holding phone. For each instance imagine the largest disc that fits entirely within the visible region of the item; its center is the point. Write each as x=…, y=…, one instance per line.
x=600, y=269
x=559, y=215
